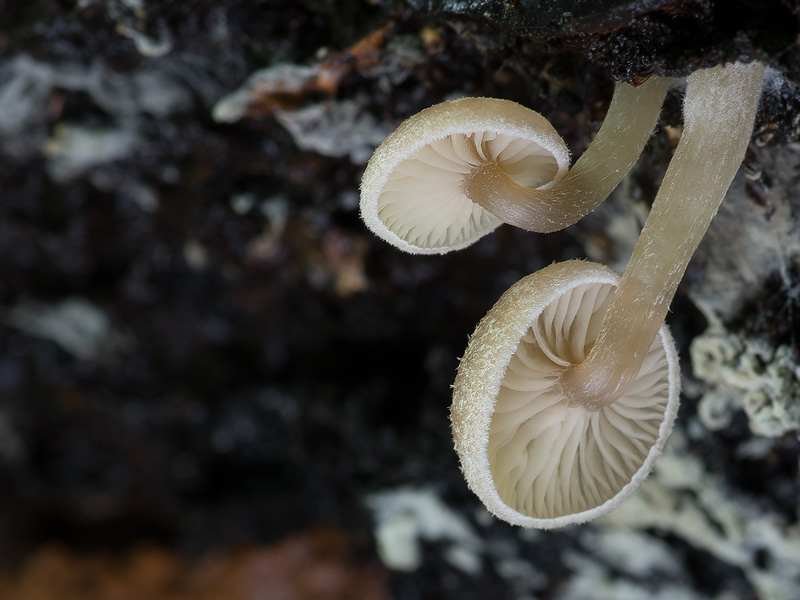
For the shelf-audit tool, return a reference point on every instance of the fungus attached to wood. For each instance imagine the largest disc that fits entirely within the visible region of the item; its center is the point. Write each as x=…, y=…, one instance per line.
x=455, y=171
x=533, y=458
x=568, y=388
x=719, y=111
x=412, y=191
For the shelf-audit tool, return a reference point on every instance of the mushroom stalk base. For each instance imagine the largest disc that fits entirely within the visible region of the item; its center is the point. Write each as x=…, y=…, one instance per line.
x=719, y=111
x=629, y=122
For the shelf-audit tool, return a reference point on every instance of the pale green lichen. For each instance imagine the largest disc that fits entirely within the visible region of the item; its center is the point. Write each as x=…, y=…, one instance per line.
x=751, y=375
x=407, y=516
x=683, y=498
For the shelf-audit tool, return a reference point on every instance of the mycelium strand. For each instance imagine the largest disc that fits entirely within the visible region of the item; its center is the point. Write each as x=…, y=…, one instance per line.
x=629, y=122
x=719, y=111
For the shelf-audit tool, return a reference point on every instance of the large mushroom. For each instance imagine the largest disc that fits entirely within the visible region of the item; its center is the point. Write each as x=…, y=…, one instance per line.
x=568, y=389
x=455, y=171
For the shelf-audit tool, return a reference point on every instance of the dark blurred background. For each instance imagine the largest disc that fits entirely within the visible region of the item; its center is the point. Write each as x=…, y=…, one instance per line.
x=216, y=383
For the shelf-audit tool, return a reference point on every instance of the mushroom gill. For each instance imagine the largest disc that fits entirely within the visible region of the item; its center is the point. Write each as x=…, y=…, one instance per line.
x=413, y=189
x=532, y=457
x=421, y=204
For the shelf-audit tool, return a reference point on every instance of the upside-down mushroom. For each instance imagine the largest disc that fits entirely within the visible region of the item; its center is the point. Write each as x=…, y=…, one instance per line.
x=455, y=171
x=533, y=458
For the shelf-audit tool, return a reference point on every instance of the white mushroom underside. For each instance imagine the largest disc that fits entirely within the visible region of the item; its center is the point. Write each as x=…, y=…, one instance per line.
x=549, y=459
x=423, y=201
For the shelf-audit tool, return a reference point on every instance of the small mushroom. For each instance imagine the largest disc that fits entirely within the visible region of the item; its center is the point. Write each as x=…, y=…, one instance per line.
x=531, y=456
x=412, y=191
x=455, y=171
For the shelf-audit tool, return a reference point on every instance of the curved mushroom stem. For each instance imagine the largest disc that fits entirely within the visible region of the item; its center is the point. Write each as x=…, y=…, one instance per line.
x=719, y=111
x=629, y=122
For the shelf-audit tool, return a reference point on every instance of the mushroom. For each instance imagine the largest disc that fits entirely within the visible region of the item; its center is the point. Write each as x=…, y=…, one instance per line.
x=719, y=111
x=567, y=390
x=455, y=171
x=533, y=458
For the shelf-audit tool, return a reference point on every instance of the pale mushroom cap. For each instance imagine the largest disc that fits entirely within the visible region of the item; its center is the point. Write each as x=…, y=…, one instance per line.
x=412, y=192
x=533, y=459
